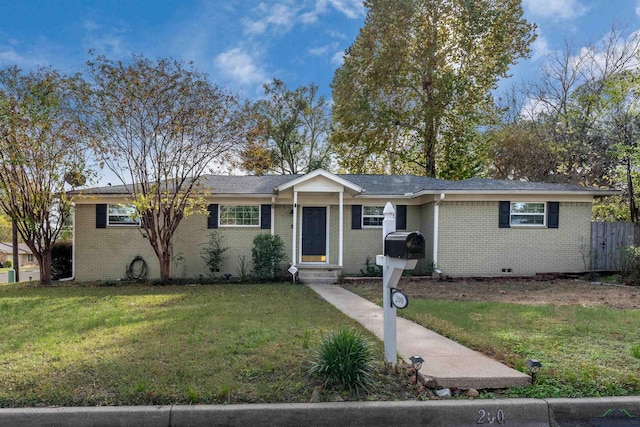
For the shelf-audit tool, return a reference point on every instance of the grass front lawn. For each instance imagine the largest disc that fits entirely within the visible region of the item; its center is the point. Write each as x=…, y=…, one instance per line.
x=138, y=345
x=585, y=351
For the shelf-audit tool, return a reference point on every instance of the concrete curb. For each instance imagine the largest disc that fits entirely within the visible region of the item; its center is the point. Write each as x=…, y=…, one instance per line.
x=613, y=411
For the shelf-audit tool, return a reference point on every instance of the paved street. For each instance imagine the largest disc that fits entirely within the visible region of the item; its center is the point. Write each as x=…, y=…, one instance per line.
x=30, y=273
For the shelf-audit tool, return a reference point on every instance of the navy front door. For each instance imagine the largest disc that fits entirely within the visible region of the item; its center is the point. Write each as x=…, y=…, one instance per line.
x=314, y=234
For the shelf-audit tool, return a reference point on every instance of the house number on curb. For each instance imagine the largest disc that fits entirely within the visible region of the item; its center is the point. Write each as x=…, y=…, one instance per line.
x=485, y=417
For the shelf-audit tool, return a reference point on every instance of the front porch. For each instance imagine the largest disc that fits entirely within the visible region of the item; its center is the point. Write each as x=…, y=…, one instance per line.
x=317, y=203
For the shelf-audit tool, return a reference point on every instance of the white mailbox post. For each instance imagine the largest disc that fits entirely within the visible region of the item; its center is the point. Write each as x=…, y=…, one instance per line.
x=392, y=268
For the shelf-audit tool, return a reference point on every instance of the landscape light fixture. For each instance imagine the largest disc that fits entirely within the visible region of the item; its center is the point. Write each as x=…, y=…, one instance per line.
x=534, y=366
x=416, y=361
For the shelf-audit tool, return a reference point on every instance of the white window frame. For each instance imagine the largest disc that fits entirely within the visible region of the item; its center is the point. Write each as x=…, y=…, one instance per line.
x=133, y=215
x=223, y=208
x=372, y=216
x=542, y=214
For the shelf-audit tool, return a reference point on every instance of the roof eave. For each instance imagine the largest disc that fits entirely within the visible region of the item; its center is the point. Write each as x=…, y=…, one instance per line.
x=596, y=193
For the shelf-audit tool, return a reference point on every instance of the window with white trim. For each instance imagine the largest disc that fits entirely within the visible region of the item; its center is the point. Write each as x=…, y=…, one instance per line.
x=122, y=214
x=527, y=214
x=239, y=216
x=372, y=216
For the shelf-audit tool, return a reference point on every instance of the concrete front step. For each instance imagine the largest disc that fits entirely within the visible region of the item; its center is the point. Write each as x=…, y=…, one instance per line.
x=319, y=275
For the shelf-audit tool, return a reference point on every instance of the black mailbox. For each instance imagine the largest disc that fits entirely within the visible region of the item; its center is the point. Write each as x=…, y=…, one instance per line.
x=405, y=245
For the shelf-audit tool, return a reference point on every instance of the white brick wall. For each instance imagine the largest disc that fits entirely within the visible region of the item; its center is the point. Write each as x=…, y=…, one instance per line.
x=471, y=244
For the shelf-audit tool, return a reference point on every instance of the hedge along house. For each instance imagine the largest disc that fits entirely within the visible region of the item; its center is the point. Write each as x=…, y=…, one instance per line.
x=332, y=224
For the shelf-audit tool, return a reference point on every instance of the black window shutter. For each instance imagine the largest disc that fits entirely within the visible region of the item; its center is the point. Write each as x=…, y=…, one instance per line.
x=553, y=215
x=212, y=219
x=401, y=217
x=101, y=215
x=356, y=217
x=504, y=220
x=265, y=217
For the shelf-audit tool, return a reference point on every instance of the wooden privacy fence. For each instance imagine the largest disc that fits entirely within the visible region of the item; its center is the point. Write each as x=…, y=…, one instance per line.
x=608, y=241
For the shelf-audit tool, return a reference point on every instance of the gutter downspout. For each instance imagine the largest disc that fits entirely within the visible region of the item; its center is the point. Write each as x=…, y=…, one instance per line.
x=73, y=247
x=436, y=221
x=294, y=227
x=273, y=215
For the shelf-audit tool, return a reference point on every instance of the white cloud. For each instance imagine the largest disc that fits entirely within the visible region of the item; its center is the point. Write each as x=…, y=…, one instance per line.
x=240, y=67
x=638, y=7
x=323, y=50
x=90, y=25
x=338, y=58
x=540, y=48
x=9, y=56
x=109, y=41
x=557, y=10
x=279, y=16
x=319, y=51
x=352, y=9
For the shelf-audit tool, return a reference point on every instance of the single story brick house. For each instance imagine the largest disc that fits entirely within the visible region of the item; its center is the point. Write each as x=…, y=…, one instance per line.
x=25, y=256
x=331, y=224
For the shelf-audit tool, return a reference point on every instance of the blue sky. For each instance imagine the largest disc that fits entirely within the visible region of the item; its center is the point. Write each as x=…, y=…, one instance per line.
x=242, y=44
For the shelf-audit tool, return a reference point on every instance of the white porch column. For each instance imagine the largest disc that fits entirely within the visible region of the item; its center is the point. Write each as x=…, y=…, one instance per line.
x=295, y=227
x=273, y=215
x=436, y=226
x=340, y=227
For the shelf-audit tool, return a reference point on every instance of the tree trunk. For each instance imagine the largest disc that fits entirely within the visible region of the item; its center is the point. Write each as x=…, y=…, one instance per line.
x=16, y=257
x=633, y=209
x=165, y=265
x=429, y=147
x=45, y=268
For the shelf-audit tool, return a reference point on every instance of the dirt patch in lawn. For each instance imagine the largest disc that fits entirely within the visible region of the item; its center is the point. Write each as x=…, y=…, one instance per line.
x=554, y=292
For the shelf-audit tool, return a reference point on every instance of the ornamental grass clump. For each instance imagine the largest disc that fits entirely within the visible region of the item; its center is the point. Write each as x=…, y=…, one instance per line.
x=345, y=359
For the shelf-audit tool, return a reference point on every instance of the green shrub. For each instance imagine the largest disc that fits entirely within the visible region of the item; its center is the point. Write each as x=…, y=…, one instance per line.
x=7, y=264
x=267, y=253
x=345, y=358
x=212, y=253
x=628, y=263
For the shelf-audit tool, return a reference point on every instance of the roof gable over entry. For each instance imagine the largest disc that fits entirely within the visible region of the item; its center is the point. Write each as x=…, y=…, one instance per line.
x=320, y=181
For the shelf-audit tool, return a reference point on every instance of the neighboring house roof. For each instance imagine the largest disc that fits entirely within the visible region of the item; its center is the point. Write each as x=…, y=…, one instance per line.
x=7, y=248
x=369, y=185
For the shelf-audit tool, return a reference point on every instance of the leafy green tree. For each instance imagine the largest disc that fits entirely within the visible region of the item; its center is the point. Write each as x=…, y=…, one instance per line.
x=41, y=148
x=514, y=151
x=570, y=106
x=622, y=121
x=417, y=82
x=5, y=227
x=160, y=125
x=579, y=121
x=290, y=131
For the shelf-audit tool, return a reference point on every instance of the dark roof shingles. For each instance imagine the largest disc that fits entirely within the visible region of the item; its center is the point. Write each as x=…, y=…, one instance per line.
x=392, y=185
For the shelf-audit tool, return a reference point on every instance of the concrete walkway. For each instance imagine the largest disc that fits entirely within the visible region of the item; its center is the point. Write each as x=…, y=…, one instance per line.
x=447, y=362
